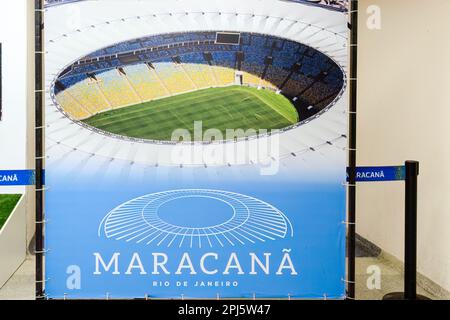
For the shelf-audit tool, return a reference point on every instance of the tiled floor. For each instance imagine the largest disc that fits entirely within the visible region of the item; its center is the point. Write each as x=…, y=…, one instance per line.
x=391, y=279
x=21, y=285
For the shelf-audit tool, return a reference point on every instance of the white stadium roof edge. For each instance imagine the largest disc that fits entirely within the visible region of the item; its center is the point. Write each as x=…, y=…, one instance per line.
x=93, y=26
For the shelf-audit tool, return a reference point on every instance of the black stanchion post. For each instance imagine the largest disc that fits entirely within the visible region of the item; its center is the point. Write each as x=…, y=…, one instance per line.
x=412, y=172
x=410, y=277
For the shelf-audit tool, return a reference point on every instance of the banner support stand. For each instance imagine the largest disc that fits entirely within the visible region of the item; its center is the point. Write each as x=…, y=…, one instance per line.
x=39, y=150
x=351, y=230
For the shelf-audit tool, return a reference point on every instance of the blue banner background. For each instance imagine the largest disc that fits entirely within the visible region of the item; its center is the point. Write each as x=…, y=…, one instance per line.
x=317, y=247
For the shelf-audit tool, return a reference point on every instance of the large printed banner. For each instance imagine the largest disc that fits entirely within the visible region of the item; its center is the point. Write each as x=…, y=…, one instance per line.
x=195, y=149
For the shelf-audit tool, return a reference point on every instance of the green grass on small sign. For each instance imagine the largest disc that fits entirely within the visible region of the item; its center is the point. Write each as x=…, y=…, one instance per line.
x=7, y=204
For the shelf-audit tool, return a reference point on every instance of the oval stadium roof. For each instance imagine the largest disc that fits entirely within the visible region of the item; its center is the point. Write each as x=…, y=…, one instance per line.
x=337, y=5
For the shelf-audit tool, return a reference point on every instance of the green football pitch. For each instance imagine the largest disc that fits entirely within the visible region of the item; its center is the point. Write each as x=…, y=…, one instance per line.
x=232, y=107
x=7, y=204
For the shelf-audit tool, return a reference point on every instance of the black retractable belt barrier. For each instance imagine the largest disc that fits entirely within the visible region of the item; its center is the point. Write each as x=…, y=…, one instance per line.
x=411, y=175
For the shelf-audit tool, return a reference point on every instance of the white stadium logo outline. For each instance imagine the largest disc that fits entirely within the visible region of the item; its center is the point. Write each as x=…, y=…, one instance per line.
x=253, y=221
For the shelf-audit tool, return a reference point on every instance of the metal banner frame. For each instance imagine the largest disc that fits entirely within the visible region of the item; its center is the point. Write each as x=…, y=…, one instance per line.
x=40, y=153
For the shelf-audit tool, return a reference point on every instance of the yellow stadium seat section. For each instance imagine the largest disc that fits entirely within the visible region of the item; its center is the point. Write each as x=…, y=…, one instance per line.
x=141, y=83
x=173, y=77
x=87, y=94
x=145, y=82
x=200, y=74
x=225, y=76
x=116, y=89
x=71, y=106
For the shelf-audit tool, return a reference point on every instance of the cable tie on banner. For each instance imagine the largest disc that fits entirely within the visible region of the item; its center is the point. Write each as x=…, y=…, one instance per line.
x=43, y=281
x=325, y=297
x=345, y=184
x=289, y=297
x=42, y=252
x=39, y=158
x=146, y=297
x=349, y=223
x=40, y=90
x=218, y=297
x=43, y=189
x=42, y=297
x=347, y=281
x=39, y=52
x=42, y=222
x=182, y=297
x=349, y=298
x=352, y=79
x=254, y=296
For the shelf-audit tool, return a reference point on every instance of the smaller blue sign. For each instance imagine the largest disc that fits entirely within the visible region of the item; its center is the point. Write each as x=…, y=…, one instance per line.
x=380, y=174
x=17, y=177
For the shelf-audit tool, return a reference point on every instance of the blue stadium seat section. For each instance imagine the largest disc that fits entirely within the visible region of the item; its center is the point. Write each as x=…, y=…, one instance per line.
x=158, y=66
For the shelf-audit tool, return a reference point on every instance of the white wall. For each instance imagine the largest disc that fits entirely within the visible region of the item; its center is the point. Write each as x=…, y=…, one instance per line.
x=404, y=113
x=17, y=126
x=13, y=127
x=13, y=245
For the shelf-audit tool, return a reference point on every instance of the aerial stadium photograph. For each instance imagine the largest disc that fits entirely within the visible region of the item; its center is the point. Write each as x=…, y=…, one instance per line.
x=221, y=158
x=236, y=69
